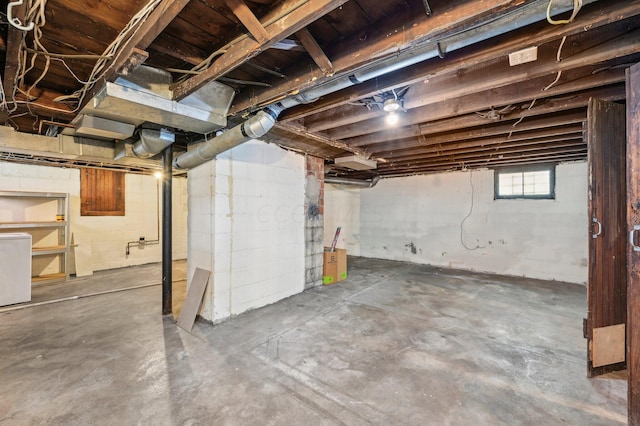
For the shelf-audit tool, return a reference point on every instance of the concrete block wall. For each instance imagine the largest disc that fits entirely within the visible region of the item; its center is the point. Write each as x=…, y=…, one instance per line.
x=420, y=218
x=314, y=220
x=343, y=209
x=246, y=225
x=107, y=236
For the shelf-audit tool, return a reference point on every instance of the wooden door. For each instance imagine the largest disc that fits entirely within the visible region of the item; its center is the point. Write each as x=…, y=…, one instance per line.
x=607, y=286
x=633, y=218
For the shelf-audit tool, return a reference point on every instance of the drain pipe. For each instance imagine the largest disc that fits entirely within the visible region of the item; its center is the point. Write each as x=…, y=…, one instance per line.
x=353, y=182
x=253, y=128
x=167, y=242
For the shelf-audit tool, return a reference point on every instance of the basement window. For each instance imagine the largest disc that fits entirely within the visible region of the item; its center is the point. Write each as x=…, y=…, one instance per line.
x=535, y=182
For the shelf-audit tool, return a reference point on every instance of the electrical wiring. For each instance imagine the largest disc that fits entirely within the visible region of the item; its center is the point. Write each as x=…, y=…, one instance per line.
x=29, y=55
x=549, y=86
x=467, y=217
x=577, y=5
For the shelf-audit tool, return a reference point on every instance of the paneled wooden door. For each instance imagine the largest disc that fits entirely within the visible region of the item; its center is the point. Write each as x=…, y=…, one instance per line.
x=633, y=251
x=607, y=286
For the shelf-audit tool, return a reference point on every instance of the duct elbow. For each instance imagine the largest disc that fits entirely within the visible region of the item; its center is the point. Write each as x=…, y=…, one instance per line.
x=255, y=127
x=153, y=142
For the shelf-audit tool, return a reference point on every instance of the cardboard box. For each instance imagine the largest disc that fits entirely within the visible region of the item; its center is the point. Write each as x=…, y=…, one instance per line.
x=334, y=268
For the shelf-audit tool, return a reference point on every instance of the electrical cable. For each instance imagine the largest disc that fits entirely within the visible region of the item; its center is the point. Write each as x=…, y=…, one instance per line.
x=577, y=5
x=467, y=217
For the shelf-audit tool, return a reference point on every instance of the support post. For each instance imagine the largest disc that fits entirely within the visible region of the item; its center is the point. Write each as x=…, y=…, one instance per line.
x=167, y=158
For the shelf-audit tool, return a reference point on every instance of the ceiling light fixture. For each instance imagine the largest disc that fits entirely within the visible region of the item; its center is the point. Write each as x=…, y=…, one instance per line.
x=392, y=118
x=391, y=105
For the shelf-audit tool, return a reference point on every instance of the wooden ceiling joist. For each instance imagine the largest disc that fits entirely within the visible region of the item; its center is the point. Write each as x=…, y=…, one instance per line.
x=381, y=41
x=432, y=146
x=598, y=15
x=289, y=22
x=249, y=20
x=495, y=100
x=316, y=52
x=462, y=148
x=510, y=127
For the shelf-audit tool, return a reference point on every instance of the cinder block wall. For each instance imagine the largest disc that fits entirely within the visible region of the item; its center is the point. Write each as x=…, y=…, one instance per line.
x=246, y=225
x=314, y=221
x=419, y=219
x=108, y=235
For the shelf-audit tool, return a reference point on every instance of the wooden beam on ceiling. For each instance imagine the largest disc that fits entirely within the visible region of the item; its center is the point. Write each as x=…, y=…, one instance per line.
x=494, y=100
x=382, y=41
x=429, y=146
x=485, y=164
x=318, y=139
x=508, y=158
x=513, y=147
x=545, y=122
x=157, y=21
x=316, y=52
x=12, y=59
x=574, y=81
x=296, y=17
x=249, y=20
x=592, y=17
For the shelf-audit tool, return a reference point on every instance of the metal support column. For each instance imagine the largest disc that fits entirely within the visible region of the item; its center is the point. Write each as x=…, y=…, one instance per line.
x=167, y=158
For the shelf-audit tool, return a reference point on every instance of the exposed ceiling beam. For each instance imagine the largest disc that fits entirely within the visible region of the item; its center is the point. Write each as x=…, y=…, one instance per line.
x=590, y=18
x=482, y=101
x=431, y=146
x=249, y=20
x=574, y=81
x=515, y=147
x=157, y=21
x=319, y=139
x=12, y=59
x=147, y=32
x=293, y=18
x=577, y=149
x=316, y=52
x=384, y=40
x=545, y=122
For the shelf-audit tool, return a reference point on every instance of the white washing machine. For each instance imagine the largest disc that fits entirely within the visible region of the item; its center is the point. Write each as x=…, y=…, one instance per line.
x=15, y=268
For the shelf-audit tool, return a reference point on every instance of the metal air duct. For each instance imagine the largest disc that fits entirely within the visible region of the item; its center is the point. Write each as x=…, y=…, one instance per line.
x=153, y=142
x=253, y=128
x=353, y=182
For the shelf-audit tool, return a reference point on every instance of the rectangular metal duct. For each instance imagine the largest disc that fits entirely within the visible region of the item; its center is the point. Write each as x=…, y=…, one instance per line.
x=145, y=96
x=87, y=125
x=356, y=162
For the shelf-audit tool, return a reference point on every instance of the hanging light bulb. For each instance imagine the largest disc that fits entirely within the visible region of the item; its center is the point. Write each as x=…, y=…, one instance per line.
x=392, y=119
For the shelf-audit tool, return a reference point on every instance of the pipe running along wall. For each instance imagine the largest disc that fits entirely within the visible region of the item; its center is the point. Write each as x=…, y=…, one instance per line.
x=264, y=120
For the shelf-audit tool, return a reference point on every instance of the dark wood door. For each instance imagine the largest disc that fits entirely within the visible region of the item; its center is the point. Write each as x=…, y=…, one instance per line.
x=607, y=286
x=633, y=218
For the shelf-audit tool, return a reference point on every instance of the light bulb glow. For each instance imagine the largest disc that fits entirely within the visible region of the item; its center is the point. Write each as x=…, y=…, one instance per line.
x=392, y=119
x=158, y=175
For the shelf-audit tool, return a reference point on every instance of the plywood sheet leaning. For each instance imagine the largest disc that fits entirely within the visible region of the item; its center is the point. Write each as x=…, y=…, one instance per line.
x=192, y=302
x=608, y=345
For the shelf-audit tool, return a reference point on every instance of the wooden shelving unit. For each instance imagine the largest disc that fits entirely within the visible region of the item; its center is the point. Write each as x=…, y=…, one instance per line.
x=45, y=216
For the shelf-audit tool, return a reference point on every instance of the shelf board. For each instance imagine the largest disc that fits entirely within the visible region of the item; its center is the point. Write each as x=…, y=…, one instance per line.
x=49, y=277
x=27, y=194
x=26, y=225
x=42, y=251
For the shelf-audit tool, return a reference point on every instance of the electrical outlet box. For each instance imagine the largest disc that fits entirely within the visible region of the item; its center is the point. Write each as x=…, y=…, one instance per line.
x=530, y=54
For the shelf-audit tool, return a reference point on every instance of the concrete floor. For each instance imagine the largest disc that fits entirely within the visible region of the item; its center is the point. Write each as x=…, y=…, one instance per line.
x=394, y=344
